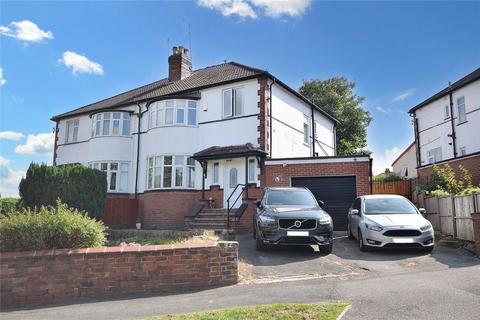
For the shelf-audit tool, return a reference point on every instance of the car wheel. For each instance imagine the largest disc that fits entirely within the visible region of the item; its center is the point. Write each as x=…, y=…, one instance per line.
x=327, y=249
x=428, y=249
x=350, y=234
x=361, y=245
x=259, y=245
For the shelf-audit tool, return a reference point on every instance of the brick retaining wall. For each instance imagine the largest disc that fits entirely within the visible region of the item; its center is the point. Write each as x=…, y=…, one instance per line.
x=52, y=276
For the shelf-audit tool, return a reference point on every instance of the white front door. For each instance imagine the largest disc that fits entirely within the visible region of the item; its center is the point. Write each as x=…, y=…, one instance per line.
x=232, y=177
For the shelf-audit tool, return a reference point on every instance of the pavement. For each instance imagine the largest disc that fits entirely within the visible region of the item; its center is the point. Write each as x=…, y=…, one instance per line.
x=380, y=285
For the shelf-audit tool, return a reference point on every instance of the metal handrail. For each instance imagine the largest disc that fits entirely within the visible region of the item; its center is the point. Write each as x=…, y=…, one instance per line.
x=228, y=203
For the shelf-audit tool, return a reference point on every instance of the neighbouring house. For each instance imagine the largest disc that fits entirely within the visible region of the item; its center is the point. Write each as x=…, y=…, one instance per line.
x=405, y=165
x=446, y=126
x=184, y=147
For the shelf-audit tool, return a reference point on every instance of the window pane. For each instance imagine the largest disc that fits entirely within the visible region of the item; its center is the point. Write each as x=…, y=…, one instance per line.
x=178, y=176
x=167, y=160
x=117, y=115
x=158, y=177
x=114, y=166
x=181, y=103
x=190, y=161
x=227, y=103
x=180, y=116
x=192, y=117
x=150, y=162
x=305, y=132
x=461, y=109
x=126, y=127
x=251, y=170
x=97, y=128
x=191, y=177
x=113, y=181
x=168, y=116
x=123, y=181
x=192, y=104
x=150, y=178
x=153, y=118
x=106, y=127
x=167, y=177
x=95, y=166
x=238, y=102
x=104, y=166
x=158, y=161
x=106, y=115
x=75, y=134
x=233, y=178
x=116, y=127
x=216, y=167
x=179, y=160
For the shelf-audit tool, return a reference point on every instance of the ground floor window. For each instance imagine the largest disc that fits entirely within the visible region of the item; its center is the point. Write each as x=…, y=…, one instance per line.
x=117, y=174
x=170, y=171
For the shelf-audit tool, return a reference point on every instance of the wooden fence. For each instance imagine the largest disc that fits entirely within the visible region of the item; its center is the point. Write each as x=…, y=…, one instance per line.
x=120, y=212
x=450, y=215
x=401, y=187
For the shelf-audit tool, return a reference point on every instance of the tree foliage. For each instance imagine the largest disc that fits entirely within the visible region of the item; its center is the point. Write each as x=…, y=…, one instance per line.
x=77, y=186
x=336, y=97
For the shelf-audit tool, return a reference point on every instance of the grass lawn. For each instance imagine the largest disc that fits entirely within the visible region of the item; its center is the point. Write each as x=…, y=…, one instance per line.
x=325, y=311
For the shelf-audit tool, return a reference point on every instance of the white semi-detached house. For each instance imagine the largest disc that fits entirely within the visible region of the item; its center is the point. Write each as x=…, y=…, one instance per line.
x=195, y=134
x=447, y=126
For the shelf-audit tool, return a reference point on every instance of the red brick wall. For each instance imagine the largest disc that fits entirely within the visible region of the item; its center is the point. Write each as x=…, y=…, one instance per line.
x=359, y=169
x=167, y=209
x=44, y=277
x=471, y=163
x=216, y=193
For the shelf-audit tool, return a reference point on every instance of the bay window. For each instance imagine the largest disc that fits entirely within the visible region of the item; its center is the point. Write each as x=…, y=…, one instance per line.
x=117, y=174
x=233, y=102
x=111, y=124
x=170, y=171
x=72, y=131
x=173, y=112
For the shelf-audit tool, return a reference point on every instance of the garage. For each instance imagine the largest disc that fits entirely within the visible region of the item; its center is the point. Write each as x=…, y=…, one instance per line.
x=338, y=194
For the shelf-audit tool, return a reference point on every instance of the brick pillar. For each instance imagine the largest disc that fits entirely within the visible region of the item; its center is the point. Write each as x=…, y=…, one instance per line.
x=476, y=230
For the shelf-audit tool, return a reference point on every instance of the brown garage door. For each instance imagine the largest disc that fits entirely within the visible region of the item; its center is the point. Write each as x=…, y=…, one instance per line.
x=338, y=194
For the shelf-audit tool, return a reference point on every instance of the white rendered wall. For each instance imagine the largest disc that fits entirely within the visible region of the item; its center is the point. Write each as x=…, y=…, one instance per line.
x=407, y=160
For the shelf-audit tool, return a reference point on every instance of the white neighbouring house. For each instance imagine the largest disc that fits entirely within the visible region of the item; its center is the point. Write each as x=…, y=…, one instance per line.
x=405, y=165
x=447, y=126
x=196, y=133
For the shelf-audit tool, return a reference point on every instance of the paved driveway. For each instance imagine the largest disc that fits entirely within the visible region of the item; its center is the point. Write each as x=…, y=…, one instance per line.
x=380, y=285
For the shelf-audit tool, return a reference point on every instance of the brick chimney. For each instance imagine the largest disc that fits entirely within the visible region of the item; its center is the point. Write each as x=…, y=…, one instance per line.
x=179, y=64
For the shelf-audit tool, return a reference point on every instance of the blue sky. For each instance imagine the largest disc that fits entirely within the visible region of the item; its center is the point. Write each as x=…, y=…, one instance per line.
x=56, y=56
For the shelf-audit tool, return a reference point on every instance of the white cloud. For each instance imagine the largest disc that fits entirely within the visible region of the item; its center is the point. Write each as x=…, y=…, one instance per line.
x=11, y=135
x=389, y=110
x=230, y=7
x=2, y=80
x=278, y=8
x=9, y=179
x=403, y=95
x=40, y=144
x=384, y=160
x=25, y=30
x=80, y=64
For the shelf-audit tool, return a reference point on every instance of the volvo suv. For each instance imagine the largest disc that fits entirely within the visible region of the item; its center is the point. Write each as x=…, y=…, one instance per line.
x=292, y=216
x=389, y=221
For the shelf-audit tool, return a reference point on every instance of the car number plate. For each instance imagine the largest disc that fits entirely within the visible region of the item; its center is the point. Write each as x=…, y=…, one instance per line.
x=297, y=233
x=402, y=240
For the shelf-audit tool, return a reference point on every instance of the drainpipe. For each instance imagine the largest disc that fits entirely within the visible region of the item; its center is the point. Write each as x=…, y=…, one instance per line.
x=453, y=135
x=313, y=132
x=139, y=117
x=271, y=116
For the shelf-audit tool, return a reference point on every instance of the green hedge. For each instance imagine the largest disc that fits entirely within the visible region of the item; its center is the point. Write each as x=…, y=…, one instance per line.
x=8, y=205
x=77, y=186
x=50, y=228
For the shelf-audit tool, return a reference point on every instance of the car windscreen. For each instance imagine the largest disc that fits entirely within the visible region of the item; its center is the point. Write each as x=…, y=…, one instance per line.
x=290, y=197
x=389, y=206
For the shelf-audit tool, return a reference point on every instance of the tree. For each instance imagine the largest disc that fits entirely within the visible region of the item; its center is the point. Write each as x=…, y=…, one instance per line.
x=336, y=97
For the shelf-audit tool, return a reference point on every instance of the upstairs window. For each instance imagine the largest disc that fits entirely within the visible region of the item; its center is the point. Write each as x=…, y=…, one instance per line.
x=111, y=124
x=447, y=111
x=170, y=171
x=306, y=130
x=173, y=112
x=117, y=174
x=434, y=155
x=462, y=115
x=233, y=102
x=72, y=131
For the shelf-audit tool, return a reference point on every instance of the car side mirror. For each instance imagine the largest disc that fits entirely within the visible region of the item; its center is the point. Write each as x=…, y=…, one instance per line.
x=355, y=212
x=321, y=203
x=258, y=203
x=422, y=210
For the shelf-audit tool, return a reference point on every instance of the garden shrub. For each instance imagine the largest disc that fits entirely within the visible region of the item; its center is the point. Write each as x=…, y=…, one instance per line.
x=50, y=227
x=386, y=177
x=444, y=181
x=77, y=186
x=8, y=205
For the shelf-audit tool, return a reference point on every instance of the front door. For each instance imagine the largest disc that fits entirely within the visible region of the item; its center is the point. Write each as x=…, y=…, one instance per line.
x=231, y=180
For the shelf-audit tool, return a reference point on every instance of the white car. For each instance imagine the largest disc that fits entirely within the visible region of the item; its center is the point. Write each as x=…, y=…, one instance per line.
x=389, y=221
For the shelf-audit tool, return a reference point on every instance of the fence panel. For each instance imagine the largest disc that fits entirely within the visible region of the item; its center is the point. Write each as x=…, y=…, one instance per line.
x=431, y=206
x=445, y=215
x=395, y=187
x=464, y=207
x=120, y=212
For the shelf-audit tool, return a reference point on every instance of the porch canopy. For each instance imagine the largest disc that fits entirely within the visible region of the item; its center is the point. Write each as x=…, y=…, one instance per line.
x=237, y=151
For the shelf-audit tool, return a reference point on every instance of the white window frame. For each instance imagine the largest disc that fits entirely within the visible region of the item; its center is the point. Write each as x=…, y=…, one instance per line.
x=119, y=173
x=71, y=130
x=158, y=112
x=100, y=119
x=446, y=111
x=156, y=164
x=234, y=111
x=306, y=130
x=434, y=155
x=462, y=110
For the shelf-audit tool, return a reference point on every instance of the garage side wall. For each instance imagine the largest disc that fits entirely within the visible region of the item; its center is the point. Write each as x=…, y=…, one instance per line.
x=279, y=173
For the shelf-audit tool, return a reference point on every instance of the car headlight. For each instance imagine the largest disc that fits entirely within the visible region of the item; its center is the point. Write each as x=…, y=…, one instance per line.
x=373, y=227
x=267, y=220
x=426, y=227
x=325, y=220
